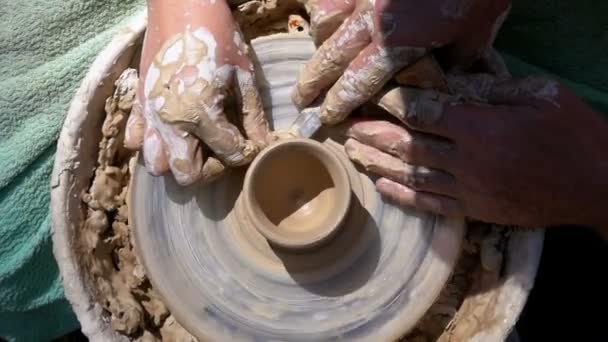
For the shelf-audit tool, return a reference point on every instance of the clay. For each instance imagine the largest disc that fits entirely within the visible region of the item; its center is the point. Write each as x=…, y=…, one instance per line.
x=412, y=104
x=446, y=316
x=106, y=248
x=296, y=193
x=354, y=88
x=265, y=17
x=425, y=74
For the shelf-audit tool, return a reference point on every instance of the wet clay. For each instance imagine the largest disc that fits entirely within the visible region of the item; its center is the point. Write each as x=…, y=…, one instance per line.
x=456, y=316
x=105, y=244
x=265, y=17
x=296, y=193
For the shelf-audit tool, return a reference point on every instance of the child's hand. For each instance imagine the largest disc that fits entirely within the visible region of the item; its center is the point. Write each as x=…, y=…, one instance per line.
x=193, y=56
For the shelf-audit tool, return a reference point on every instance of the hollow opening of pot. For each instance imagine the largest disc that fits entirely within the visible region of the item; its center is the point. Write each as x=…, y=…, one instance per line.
x=300, y=191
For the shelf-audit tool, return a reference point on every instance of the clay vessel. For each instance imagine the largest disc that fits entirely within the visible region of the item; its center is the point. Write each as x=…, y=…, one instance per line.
x=296, y=194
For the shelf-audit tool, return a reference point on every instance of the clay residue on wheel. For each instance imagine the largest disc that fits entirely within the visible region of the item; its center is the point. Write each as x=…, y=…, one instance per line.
x=462, y=308
x=105, y=242
x=265, y=17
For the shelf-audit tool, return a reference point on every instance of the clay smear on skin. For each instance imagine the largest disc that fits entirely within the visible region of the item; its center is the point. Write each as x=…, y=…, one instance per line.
x=355, y=86
x=186, y=87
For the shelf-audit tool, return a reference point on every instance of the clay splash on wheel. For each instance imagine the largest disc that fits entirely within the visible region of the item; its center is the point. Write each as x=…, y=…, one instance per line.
x=224, y=281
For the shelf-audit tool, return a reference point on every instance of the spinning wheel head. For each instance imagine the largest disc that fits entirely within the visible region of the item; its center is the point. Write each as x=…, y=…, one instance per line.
x=297, y=193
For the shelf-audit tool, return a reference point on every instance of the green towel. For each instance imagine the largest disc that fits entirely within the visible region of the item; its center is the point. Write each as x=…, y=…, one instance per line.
x=561, y=38
x=46, y=47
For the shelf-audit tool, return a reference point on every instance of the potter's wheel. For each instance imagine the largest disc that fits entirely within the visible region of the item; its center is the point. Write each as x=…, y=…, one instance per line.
x=224, y=282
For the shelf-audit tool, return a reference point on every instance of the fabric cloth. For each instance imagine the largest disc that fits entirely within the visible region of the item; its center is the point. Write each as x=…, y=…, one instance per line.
x=564, y=39
x=46, y=46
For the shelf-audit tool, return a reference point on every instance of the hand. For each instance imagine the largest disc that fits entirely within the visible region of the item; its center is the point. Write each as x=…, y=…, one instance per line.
x=535, y=156
x=193, y=55
x=379, y=38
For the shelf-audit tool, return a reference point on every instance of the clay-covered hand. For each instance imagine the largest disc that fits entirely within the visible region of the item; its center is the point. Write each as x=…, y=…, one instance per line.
x=193, y=56
x=381, y=37
x=535, y=156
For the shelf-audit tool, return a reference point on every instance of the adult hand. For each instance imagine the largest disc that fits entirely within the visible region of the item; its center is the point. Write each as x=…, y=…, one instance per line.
x=193, y=55
x=535, y=156
x=381, y=37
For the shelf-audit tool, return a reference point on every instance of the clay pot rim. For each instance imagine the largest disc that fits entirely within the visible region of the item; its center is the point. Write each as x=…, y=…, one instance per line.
x=339, y=177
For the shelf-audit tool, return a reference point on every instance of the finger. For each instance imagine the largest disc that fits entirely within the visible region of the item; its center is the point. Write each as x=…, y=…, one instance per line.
x=212, y=170
x=252, y=109
x=415, y=177
x=411, y=147
x=419, y=109
x=407, y=197
x=424, y=73
x=135, y=128
x=199, y=110
x=226, y=141
x=326, y=16
x=365, y=77
x=155, y=156
x=185, y=156
x=330, y=60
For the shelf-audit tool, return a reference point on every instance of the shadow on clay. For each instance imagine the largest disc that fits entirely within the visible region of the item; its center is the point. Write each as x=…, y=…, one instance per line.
x=361, y=265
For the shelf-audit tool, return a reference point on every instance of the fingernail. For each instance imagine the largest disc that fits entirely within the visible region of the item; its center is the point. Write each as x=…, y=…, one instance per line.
x=329, y=115
x=212, y=170
x=243, y=156
x=184, y=171
x=154, y=155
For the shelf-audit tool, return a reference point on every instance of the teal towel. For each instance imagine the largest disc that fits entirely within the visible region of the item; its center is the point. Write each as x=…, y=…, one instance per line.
x=561, y=38
x=46, y=47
